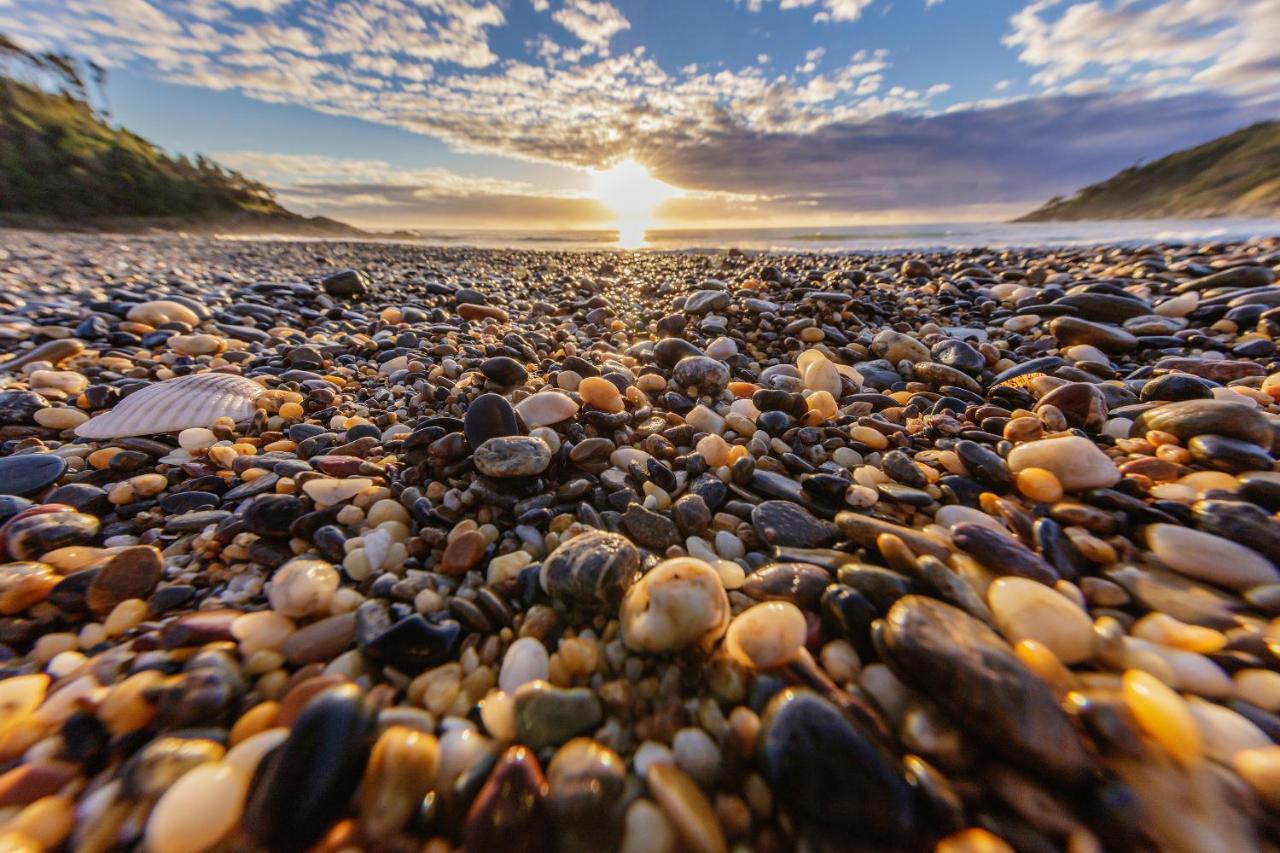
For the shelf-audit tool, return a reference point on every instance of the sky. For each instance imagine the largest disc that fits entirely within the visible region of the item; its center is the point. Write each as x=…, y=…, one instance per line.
x=437, y=114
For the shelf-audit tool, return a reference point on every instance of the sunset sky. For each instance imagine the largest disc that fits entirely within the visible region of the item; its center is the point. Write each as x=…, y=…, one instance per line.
x=503, y=113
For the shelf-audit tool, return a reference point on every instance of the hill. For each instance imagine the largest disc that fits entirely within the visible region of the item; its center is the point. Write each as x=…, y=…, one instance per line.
x=62, y=164
x=1233, y=175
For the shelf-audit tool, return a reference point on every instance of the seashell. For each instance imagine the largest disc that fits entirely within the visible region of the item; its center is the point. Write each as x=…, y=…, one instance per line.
x=177, y=404
x=1022, y=381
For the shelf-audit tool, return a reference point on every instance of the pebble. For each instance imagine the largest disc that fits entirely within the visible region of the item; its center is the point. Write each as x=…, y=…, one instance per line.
x=678, y=603
x=512, y=456
x=1206, y=557
x=687, y=809
x=591, y=571
x=1026, y=610
x=546, y=408
x=199, y=810
x=330, y=492
x=767, y=635
x=1074, y=460
x=547, y=715
x=29, y=474
x=971, y=672
x=757, y=551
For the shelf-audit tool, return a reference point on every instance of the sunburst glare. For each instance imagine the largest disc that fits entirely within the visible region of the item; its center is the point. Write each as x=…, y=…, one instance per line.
x=633, y=195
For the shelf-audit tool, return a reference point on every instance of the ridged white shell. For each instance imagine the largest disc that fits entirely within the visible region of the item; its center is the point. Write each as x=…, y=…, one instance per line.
x=176, y=404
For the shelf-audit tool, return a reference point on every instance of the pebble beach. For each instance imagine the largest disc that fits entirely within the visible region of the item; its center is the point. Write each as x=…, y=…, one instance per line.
x=341, y=546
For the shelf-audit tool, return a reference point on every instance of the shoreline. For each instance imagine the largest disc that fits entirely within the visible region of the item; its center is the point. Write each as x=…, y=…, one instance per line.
x=869, y=240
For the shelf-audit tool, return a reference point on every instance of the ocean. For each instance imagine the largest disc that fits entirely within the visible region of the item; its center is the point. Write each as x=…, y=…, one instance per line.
x=870, y=238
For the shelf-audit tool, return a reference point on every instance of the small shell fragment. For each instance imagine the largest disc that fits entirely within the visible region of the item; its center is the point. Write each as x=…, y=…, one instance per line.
x=175, y=405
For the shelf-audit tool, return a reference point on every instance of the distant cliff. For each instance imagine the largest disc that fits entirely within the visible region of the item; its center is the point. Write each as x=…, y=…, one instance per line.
x=1233, y=175
x=61, y=163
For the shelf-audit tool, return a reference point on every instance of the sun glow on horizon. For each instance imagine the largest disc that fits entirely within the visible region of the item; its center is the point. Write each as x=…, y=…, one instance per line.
x=633, y=195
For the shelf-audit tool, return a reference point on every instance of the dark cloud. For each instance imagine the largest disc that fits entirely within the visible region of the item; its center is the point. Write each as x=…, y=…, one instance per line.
x=1019, y=152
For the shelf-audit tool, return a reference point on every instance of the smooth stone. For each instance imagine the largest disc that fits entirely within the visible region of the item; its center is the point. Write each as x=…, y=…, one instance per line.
x=973, y=674
x=896, y=346
x=29, y=473
x=953, y=514
x=586, y=779
x=132, y=573
x=200, y=809
x=1238, y=277
x=302, y=587
x=504, y=370
x=489, y=416
x=864, y=530
x=1104, y=307
x=512, y=456
x=1074, y=460
x=271, y=515
x=1001, y=553
x=591, y=572
x=526, y=660
x=679, y=603
x=41, y=529
x=668, y=351
x=1210, y=558
x=411, y=645
x=463, y=553
x=960, y=355
x=18, y=408
x=1242, y=523
x=1175, y=387
x=328, y=491
x=546, y=408
x=1026, y=610
x=706, y=301
x=833, y=779
x=322, y=640
x=651, y=529
x=1110, y=339
x=940, y=375
x=1216, y=370
x=548, y=716
x=1229, y=454
x=1081, y=403
x=686, y=807
x=1188, y=418
x=700, y=371
x=1177, y=596
x=304, y=786
x=510, y=812
x=51, y=351
x=790, y=525
x=801, y=584
x=345, y=283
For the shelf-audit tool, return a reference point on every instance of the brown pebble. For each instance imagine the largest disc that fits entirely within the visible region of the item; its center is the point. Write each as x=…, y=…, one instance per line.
x=132, y=573
x=28, y=782
x=321, y=641
x=463, y=553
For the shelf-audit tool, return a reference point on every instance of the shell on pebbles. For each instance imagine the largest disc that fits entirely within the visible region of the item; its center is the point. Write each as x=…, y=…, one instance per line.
x=176, y=404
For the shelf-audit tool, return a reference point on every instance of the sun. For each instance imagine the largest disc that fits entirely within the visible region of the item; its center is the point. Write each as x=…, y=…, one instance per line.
x=633, y=195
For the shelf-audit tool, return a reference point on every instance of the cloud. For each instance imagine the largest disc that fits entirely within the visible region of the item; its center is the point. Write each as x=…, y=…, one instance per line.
x=1228, y=45
x=427, y=66
x=372, y=193
x=594, y=23
x=831, y=10
x=1015, y=154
